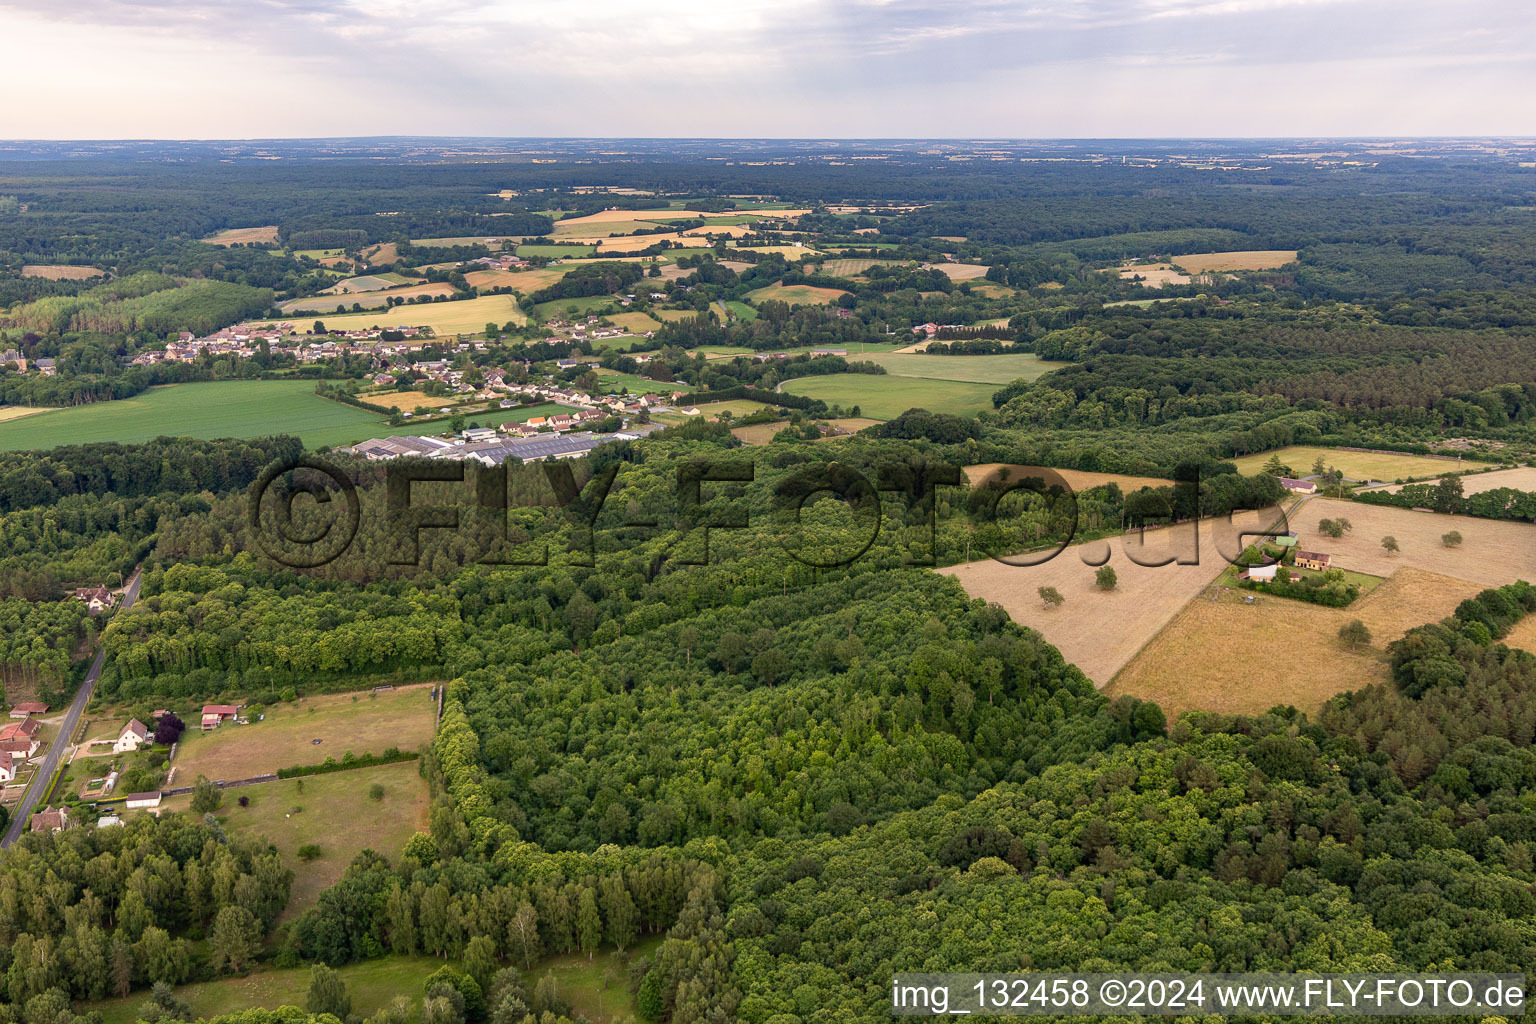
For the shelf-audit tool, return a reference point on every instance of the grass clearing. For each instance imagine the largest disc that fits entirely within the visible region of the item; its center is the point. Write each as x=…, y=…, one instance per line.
x=231, y=236
x=887, y=396
x=337, y=814
x=61, y=273
x=1216, y=655
x=596, y=988
x=369, y=724
x=465, y=316
x=998, y=369
x=737, y=407
x=555, y=252
x=797, y=294
x=245, y=408
x=1077, y=479
x=371, y=983
x=1248, y=259
x=1354, y=465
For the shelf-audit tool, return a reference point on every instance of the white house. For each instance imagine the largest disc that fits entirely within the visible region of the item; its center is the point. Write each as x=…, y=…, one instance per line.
x=134, y=735
x=143, y=801
x=8, y=762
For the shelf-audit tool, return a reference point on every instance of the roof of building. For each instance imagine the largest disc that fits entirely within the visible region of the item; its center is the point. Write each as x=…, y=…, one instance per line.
x=1313, y=556
x=136, y=797
x=220, y=709
x=1289, y=482
x=30, y=707
x=45, y=821
x=138, y=728
x=26, y=728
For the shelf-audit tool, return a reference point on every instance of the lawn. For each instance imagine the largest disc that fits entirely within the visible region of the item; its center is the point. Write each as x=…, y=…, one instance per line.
x=370, y=724
x=736, y=407
x=336, y=813
x=634, y=323
x=371, y=983
x=999, y=369
x=741, y=310
x=886, y=397
x=1354, y=465
x=613, y=382
x=561, y=309
x=581, y=982
x=252, y=408
x=465, y=316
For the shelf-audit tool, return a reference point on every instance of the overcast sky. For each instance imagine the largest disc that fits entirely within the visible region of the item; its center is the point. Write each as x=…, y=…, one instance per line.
x=776, y=68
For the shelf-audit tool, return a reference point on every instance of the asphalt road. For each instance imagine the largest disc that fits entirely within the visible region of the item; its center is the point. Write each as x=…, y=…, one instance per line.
x=21, y=814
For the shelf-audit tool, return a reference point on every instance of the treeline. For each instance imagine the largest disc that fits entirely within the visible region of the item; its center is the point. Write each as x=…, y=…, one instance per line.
x=1444, y=654
x=1506, y=503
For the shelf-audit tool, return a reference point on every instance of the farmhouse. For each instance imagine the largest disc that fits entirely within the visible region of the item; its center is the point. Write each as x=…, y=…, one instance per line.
x=26, y=729
x=1298, y=486
x=1259, y=573
x=97, y=599
x=50, y=821
x=1313, y=560
x=143, y=801
x=29, y=708
x=215, y=714
x=134, y=735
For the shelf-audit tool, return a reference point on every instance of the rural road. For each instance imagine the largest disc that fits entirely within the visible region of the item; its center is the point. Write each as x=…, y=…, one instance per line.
x=41, y=779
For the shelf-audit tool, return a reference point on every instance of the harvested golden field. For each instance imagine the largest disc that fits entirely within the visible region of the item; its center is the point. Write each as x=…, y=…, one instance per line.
x=721, y=230
x=1491, y=554
x=635, y=243
x=407, y=401
x=1233, y=657
x=958, y=271
x=1521, y=478
x=1077, y=479
x=1523, y=635
x=230, y=236
x=1249, y=259
x=789, y=252
x=404, y=717
x=16, y=412
x=1153, y=275
x=1354, y=465
x=796, y=294
x=58, y=273
x=384, y=252
x=465, y=316
x=361, y=283
x=1101, y=631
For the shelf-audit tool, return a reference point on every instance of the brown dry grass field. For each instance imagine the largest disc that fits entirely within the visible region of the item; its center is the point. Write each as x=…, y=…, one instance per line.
x=635, y=243
x=1354, y=465
x=55, y=273
x=1153, y=275
x=1521, y=478
x=1100, y=631
x=384, y=252
x=789, y=252
x=403, y=717
x=1079, y=480
x=1250, y=259
x=1237, y=658
x=360, y=283
x=958, y=271
x=725, y=230
x=16, y=412
x=230, y=236
x=758, y=433
x=635, y=323
x=1491, y=554
x=1523, y=635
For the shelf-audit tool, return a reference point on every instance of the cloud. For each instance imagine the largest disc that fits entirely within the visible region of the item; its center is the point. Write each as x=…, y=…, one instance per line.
x=751, y=67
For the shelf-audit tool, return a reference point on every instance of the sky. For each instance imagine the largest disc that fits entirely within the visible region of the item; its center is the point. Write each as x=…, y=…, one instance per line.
x=234, y=69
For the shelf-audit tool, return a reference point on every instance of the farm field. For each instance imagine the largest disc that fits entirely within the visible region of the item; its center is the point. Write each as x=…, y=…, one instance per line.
x=740, y=310
x=635, y=243
x=555, y=251
x=1153, y=275
x=371, y=983
x=851, y=267
x=797, y=294
x=16, y=412
x=1354, y=465
x=613, y=382
x=367, y=299
x=583, y=305
x=406, y=401
x=384, y=252
x=674, y=315
x=737, y=407
x=1192, y=664
x=247, y=408
x=495, y=416
x=55, y=272
x=360, y=283
x=492, y=242
x=1523, y=635
x=1251, y=259
x=464, y=316
x=999, y=369
x=789, y=252
x=1521, y=478
x=885, y=397
x=635, y=323
x=338, y=815
x=403, y=718
x=230, y=236
x=1101, y=631
x=1077, y=479
x=1492, y=553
